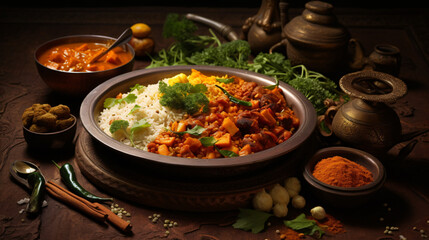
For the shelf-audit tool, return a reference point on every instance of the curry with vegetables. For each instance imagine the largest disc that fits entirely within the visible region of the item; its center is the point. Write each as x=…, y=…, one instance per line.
x=77, y=57
x=230, y=117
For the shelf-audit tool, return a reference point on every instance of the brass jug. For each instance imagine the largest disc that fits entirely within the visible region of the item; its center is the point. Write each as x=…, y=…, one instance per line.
x=317, y=40
x=264, y=29
x=366, y=121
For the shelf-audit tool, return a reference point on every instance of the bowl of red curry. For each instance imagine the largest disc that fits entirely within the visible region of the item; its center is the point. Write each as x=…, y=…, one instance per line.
x=65, y=65
x=228, y=138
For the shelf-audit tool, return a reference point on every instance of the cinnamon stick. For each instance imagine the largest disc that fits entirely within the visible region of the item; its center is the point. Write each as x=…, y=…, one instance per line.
x=94, y=210
x=115, y=219
x=75, y=201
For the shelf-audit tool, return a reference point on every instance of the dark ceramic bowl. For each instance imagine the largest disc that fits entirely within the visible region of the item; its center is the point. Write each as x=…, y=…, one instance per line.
x=78, y=83
x=51, y=140
x=92, y=105
x=344, y=196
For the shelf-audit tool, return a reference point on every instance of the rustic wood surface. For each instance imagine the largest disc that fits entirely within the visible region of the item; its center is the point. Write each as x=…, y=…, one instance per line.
x=23, y=29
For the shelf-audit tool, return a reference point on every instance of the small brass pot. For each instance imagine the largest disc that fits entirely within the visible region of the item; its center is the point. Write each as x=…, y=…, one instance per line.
x=366, y=121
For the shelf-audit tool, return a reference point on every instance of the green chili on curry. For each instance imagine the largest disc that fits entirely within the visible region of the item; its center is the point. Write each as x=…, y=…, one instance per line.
x=69, y=178
x=234, y=99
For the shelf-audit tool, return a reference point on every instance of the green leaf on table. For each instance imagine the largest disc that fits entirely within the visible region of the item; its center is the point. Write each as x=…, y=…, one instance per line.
x=251, y=220
x=303, y=225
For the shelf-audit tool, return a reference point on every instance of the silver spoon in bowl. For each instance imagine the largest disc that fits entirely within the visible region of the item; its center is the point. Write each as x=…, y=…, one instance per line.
x=123, y=38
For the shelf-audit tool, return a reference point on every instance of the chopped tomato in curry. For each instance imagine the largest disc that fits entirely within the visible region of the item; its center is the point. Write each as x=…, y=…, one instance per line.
x=76, y=57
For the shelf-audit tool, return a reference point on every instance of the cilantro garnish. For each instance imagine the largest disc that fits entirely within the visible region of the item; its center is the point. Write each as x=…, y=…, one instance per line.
x=135, y=108
x=137, y=87
x=184, y=96
x=122, y=125
x=211, y=141
x=110, y=102
x=196, y=131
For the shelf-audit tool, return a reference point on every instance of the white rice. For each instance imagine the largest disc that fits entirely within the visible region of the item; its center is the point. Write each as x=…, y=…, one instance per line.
x=150, y=109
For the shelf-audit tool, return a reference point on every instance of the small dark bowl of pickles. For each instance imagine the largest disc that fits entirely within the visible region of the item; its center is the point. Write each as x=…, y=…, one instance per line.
x=46, y=127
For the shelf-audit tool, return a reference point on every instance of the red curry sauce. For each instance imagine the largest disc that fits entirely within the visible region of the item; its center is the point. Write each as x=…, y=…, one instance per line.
x=76, y=57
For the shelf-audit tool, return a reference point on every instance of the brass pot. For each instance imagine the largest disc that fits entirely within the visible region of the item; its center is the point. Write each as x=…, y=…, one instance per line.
x=316, y=39
x=366, y=121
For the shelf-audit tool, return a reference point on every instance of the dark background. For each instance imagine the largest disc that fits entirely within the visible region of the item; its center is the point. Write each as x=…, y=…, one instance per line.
x=369, y=4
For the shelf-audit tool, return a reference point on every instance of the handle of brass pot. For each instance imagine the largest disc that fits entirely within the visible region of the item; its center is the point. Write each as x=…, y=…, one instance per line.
x=224, y=30
x=373, y=86
x=283, y=42
x=357, y=59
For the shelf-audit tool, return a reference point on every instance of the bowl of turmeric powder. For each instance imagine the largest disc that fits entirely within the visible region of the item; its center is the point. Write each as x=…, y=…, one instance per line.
x=343, y=176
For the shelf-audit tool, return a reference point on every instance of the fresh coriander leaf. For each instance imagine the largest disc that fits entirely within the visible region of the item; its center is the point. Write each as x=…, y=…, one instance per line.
x=227, y=153
x=109, y=102
x=142, y=123
x=196, y=131
x=135, y=108
x=208, y=141
x=137, y=87
x=251, y=220
x=225, y=80
x=303, y=225
x=130, y=98
x=118, y=125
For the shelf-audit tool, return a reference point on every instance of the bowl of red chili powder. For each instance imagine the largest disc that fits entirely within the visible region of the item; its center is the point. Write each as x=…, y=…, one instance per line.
x=343, y=176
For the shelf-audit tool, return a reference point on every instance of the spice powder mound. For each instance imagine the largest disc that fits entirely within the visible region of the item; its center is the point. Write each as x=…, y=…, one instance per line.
x=342, y=172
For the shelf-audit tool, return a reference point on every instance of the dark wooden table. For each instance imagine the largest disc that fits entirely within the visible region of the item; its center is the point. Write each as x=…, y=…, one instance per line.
x=23, y=29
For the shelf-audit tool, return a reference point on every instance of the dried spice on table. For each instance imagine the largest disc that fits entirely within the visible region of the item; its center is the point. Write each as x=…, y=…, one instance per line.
x=330, y=224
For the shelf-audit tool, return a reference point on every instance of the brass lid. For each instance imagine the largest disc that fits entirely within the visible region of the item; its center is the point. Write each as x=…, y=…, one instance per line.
x=317, y=26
